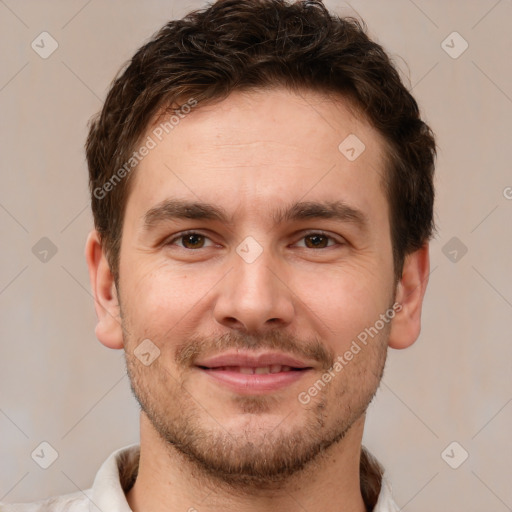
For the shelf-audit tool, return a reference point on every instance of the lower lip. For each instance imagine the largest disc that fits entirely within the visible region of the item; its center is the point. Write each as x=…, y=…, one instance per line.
x=256, y=382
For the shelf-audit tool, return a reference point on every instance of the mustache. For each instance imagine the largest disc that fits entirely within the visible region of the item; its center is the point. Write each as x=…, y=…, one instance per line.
x=197, y=345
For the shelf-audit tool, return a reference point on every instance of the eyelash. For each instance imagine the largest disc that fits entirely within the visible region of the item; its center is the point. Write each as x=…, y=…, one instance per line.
x=310, y=233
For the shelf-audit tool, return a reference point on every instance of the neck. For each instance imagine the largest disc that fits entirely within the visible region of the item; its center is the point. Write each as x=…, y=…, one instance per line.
x=169, y=481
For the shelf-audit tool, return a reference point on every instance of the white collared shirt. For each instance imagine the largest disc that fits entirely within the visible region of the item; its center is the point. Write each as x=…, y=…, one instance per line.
x=107, y=495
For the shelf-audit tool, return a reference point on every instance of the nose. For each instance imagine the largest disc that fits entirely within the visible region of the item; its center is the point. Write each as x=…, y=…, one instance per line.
x=254, y=297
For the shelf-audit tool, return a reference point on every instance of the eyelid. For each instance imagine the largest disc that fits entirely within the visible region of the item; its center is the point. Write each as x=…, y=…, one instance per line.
x=181, y=234
x=302, y=235
x=339, y=240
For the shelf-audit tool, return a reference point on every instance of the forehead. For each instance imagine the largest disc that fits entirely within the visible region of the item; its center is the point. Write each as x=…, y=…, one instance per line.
x=260, y=148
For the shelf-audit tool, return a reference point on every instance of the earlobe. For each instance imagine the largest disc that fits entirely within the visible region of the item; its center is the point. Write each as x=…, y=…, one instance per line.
x=406, y=325
x=108, y=328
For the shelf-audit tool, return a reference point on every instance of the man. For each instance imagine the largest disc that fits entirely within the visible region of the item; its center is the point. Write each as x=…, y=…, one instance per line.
x=262, y=193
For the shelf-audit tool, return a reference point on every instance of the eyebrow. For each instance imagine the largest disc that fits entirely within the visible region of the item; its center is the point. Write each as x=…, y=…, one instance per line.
x=172, y=209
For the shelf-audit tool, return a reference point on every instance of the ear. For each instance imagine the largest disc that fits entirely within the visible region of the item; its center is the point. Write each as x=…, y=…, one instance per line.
x=406, y=325
x=108, y=328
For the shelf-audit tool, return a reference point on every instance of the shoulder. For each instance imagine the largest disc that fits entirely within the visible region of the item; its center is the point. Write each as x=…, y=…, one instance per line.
x=75, y=502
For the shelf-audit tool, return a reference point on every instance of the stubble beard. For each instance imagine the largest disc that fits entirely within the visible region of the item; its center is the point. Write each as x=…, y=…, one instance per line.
x=253, y=458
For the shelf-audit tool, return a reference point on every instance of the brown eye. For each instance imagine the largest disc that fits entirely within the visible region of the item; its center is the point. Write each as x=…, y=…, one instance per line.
x=193, y=241
x=190, y=240
x=316, y=241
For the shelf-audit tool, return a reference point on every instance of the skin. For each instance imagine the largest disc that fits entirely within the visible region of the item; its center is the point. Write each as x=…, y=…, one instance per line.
x=205, y=446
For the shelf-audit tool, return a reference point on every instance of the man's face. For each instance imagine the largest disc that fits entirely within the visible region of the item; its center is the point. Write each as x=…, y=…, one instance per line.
x=260, y=288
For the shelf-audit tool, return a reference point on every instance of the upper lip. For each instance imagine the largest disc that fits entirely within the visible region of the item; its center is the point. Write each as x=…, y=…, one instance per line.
x=248, y=359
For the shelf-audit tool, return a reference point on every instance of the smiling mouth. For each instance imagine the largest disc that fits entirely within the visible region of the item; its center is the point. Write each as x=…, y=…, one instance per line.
x=246, y=372
x=254, y=380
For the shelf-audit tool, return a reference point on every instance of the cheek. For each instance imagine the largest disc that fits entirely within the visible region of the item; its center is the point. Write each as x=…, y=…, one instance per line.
x=158, y=297
x=150, y=296
x=343, y=302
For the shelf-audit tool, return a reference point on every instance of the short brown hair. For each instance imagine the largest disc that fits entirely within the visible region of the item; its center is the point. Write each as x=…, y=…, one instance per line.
x=253, y=44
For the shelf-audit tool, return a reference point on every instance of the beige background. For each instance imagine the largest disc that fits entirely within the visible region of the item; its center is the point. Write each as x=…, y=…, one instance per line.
x=58, y=384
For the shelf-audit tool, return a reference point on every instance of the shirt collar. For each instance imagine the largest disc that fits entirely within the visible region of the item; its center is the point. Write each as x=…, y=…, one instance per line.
x=108, y=490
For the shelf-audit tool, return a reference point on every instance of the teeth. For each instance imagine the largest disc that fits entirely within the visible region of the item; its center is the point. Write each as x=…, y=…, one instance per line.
x=249, y=370
x=273, y=368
